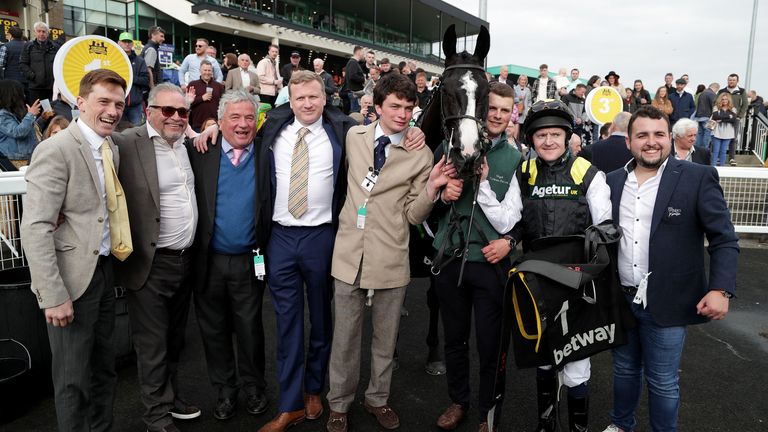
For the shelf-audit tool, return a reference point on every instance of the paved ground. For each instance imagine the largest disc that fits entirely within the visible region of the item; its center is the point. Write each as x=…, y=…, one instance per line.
x=723, y=375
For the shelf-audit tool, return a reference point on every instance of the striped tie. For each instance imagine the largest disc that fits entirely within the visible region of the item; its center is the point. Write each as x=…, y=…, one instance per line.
x=297, y=192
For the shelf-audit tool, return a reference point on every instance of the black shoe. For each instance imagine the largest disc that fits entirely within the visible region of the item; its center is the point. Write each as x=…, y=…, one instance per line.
x=183, y=411
x=225, y=409
x=257, y=403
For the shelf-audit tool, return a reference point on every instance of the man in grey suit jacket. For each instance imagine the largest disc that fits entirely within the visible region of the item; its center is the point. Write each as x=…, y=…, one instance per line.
x=66, y=235
x=236, y=78
x=160, y=191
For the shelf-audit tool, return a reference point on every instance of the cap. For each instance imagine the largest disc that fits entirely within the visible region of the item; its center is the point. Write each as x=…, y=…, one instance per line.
x=126, y=36
x=295, y=54
x=680, y=81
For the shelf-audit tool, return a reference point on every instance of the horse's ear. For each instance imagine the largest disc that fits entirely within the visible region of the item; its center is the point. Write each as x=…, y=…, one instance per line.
x=449, y=42
x=483, y=44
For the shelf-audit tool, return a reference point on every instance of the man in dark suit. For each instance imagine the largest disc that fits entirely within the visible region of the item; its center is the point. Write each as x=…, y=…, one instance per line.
x=611, y=153
x=666, y=208
x=160, y=192
x=684, y=133
x=228, y=293
x=683, y=105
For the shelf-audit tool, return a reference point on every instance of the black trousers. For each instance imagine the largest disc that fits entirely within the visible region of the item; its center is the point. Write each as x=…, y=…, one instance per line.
x=231, y=302
x=482, y=292
x=158, y=313
x=83, y=362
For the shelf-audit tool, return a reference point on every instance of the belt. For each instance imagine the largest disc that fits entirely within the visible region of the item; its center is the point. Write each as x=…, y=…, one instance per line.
x=172, y=252
x=631, y=290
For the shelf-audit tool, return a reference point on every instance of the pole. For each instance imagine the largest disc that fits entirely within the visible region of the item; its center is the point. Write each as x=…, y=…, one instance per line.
x=750, y=51
x=484, y=10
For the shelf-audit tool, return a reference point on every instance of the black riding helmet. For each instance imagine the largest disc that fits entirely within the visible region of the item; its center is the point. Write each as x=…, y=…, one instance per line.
x=548, y=113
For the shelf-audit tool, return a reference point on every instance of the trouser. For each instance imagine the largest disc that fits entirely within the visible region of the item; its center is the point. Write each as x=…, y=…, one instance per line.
x=735, y=142
x=349, y=308
x=719, y=150
x=704, y=134
x=433, y=303
x=652, y=351
x=83, y=357
x=481, y=291
x=134, y=114
x=158, y=313
x=231, y=302
x=299, y=257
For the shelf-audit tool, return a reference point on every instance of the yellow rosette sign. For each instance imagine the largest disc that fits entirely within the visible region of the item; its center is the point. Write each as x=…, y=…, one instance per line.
x=602, y=104
x=83, y=54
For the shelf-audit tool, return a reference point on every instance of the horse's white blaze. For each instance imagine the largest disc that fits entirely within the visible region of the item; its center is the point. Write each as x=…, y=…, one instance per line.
x=467, y=127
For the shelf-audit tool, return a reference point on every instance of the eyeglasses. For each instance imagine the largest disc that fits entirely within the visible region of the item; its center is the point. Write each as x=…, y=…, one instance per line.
x=169, y=111
x=199, y=46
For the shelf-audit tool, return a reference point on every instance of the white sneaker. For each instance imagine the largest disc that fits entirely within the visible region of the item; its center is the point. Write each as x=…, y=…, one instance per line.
x=613, y=428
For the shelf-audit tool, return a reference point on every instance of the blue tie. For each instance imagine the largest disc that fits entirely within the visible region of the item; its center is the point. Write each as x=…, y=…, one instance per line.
x=379, y=156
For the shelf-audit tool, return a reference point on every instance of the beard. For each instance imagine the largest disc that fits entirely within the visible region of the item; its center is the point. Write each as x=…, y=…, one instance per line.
x=649, y=163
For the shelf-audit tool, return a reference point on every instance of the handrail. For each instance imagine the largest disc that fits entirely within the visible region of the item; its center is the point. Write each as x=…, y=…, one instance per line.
x=756, y=135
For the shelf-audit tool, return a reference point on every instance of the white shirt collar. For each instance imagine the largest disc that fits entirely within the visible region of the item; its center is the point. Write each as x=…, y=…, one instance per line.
x=394, y=138
x=314, y=128
x=94, y=140
x=630, y=166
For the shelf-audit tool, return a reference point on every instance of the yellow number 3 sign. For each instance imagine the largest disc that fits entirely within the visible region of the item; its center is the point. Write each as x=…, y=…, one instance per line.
x=602, y=104
x=83, y=54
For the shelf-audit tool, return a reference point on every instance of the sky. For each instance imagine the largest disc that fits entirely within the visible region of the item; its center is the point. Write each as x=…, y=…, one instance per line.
x=707, y=39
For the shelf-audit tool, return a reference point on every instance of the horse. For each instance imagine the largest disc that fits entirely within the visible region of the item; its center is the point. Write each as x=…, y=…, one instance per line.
x=455, y=115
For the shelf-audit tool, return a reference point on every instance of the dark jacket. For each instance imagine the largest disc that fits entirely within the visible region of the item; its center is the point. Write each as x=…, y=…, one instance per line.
x=330, y=87
x=758, y=106
x=701, y=156
x=36, y=63
x=140, y=80
x=11, y=68
x=689, y=207
x=608, y=154
x=157, y=71
x=287, y=70
x=682, y=106
x=705, y=104
x=336, y=125
x=355, y=77
x=551, y=89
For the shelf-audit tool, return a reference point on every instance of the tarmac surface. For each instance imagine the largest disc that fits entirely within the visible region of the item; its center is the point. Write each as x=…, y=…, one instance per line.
x=723, y=377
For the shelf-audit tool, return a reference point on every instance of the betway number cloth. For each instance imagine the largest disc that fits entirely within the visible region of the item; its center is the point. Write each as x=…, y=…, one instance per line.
x=563, y=301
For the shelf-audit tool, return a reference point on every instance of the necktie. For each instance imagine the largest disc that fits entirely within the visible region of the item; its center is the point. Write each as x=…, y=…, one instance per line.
x=379, y=156
x=119, y=227
x=238, y=153
x=297, y=192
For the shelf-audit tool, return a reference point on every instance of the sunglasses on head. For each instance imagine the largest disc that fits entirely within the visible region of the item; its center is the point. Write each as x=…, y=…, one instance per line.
x=169, y=111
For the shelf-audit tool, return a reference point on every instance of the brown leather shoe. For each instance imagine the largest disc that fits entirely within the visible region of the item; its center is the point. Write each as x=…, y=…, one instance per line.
x=384, y=414
x=313, y=406
x=283, y=421
x=337, y=422
x=451, y=418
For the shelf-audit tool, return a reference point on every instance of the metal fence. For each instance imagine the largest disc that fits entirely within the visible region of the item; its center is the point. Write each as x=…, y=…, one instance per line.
x=756, y=135
x=12, y=188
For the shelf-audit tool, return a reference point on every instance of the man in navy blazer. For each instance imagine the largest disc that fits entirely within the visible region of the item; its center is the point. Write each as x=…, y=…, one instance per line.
x=683, y=105
x=665, y=207
x=611, y=153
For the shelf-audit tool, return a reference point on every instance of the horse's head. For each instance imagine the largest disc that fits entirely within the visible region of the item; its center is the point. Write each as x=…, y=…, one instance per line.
x=463, y=102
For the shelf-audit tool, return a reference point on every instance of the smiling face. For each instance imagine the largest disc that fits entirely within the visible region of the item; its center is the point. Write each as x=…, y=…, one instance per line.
x=499, y=113
x=307, y=101
x=686, y=141
x=395, y=113
x=238, y=124
x=170, y=128
x=549, y=143
x=102, y=108
x=649, y=142
x=200, y=48
x=206, y=72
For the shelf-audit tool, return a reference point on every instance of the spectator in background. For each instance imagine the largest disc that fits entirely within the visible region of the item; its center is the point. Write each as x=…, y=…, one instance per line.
x=370, y=61
x=704, y=112
x=10, y=54
x=523, y=98
x=422, y=92
x=385, y=66
x=190, y=67
x=242, y=78
x=699, y=90
x=605, y=130
x=668, y=83
x=756, y=103
x=574, y=79
x=208, y=122
x=211, y=52
x=740, y=104
x=355, y=78
x=575, y=101
x=36, y=62
x=543, y=86
x=269, y=80
x=17, y=123
x=330, y=87
x=207, y=93
x=641, y=95
x=151, y=55
x=562, y=81
x=134, y=103
x=613, y=81
x=593, y=83
x=289, y=68
x=629, y=100
x=661, y=101
x=504, y=75
x=367, y=110
x=684, y=134
x=57, y=124
x=230, y=63
x=682, y=102
x=725, y=131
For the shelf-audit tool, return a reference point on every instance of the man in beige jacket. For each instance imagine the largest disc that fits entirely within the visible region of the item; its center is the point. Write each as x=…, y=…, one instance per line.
x=388, y=188
x=269, y=79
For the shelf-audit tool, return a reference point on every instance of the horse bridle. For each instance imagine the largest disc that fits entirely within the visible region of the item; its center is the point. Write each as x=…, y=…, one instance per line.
x=443, y=118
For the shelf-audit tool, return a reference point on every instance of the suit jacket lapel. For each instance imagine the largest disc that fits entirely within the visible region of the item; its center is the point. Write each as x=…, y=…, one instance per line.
x=616, y=183
x=211, y=161
x=148, y=163
x=667, y=186
x=85, y=150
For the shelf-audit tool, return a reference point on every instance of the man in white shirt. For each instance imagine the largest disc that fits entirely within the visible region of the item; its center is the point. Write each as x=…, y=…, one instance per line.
x=160, y=191
x=242, y=77
x=190, y=67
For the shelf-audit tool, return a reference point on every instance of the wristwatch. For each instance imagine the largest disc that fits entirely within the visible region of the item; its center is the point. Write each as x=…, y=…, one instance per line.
x=726, y=294
x=512, y=242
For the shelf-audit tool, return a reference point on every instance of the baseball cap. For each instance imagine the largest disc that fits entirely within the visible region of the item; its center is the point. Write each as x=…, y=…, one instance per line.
x=126, y=36
x=295, y=54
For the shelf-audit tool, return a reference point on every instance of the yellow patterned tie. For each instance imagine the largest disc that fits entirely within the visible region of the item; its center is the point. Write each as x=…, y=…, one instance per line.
x=297, y=192
x=119, y=227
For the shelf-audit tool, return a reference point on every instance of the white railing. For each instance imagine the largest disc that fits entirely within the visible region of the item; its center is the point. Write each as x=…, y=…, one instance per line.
x=12, y=188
